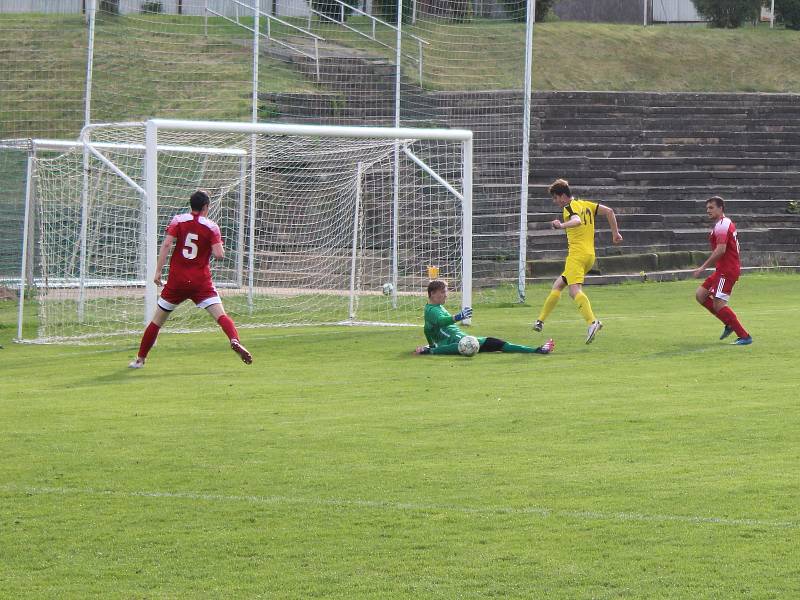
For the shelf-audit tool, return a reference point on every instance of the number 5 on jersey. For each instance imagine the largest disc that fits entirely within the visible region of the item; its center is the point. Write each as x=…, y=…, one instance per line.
x=190, y=249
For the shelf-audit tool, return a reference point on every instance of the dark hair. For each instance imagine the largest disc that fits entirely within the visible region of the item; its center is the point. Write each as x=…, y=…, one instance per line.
x=199, y=200
x=560, y=187
x=717, y=201
x=435, y=286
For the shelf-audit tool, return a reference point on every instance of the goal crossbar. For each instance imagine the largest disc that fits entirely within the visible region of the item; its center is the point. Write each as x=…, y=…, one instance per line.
x=328, y=131
x=66, y=145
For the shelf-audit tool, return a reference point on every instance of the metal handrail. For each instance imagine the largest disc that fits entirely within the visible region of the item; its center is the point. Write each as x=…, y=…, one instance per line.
x=374, y=20
x=267, y=35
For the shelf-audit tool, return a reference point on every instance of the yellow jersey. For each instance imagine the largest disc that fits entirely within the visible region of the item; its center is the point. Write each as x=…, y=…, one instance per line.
x=580, y=240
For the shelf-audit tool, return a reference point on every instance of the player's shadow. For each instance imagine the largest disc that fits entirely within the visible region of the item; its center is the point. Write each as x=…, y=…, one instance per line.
x=119, y=373
x=122, y=376
x=684, y=349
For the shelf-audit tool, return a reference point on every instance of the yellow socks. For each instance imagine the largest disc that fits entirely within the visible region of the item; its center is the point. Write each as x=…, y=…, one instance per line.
x=549, y=304
x=584, y=307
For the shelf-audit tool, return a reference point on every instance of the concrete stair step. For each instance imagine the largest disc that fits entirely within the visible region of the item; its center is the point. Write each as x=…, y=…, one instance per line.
x=594, y=123
x=589, y=190
x=687, y=122
x=623, y=263
x=665, y=150
x=686, y=136
x=546, y=238
x=683, y=137
x=653, y=100
x=664, y=163
x=682, y=208
x=711, y=177
x=666, y=192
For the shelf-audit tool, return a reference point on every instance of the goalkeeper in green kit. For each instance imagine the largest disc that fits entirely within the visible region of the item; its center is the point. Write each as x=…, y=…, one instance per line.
x=443, y=334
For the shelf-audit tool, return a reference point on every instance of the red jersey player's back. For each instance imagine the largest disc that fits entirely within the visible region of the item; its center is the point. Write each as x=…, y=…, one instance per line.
x=189, y=275
x=194, y=235
x=724, y=232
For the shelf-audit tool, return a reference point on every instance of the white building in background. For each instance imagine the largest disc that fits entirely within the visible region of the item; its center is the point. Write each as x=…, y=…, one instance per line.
x=284, y=8
x=41, y=6
x=675, y=11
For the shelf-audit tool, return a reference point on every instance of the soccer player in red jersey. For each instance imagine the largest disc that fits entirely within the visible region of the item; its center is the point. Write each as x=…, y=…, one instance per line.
x=715, y=291
x=197, y=239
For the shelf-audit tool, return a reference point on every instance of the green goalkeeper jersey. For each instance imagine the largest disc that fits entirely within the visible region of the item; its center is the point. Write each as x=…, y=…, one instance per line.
x=440, y=327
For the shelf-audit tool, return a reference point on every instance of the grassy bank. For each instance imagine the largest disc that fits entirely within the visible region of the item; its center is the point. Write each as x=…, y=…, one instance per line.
x=167, y=66
x=488, y=54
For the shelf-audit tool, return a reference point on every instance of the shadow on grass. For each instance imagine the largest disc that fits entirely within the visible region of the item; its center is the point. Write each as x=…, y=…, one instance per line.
x=687, y=349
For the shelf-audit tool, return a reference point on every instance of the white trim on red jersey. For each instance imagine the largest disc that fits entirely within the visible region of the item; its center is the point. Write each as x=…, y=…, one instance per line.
x=722, y=226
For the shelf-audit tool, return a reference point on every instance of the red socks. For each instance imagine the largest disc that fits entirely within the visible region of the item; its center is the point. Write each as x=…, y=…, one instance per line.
x=151, y=333
x=148, y=339
x=228, y=327
x=727, y=316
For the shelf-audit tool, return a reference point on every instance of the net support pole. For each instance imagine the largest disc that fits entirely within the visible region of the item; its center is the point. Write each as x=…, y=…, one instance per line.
x=466, y=234
x=354, y=253
x=251, y=242
x=143, y=226
x=84, y=231
x=253, y=158
x=256, y=50
x=395, y=223
x=91, y=10
x=396, y=182
x=91, y=13
x=26, y=223
x=151, y=218
x=398, y=57
x=526, y=153
x=421, y=164
x=241, y=222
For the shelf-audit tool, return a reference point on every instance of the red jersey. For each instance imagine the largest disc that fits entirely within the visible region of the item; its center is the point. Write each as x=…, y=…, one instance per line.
x=194, y=237
x=724, y=232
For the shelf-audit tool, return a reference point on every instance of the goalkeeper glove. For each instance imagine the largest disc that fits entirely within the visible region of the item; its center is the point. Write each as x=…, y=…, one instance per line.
x=465, y=313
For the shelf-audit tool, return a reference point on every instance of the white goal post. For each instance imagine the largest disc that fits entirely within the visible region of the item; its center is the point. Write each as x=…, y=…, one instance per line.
x=322, y=224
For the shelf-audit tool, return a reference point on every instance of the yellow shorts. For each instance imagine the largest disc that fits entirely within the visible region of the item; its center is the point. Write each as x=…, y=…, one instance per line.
x=576, y=267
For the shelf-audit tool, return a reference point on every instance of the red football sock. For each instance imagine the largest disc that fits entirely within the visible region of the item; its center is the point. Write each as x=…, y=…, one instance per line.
x=148, y=339
x=228, y=327
x=727, y=316
x=709, y=304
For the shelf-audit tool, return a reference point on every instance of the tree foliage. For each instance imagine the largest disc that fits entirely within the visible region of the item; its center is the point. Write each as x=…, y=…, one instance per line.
x=331, y=9
x=110, y=7
x=458, y=10
x=788, y=12
x=543, y=8
x=517, y=9
x=728, y=14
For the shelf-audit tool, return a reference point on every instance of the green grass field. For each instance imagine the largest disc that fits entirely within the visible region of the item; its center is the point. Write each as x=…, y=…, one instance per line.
x=658, y=462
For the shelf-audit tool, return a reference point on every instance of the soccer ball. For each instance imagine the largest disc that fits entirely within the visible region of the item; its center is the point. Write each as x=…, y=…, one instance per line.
x=468, y=345
x=388, y=288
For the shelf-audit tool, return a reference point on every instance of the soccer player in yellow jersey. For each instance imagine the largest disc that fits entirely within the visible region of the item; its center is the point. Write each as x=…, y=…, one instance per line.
x=578, y=220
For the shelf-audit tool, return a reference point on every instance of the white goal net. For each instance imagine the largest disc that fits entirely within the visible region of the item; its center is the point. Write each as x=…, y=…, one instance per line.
x=321, y=224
